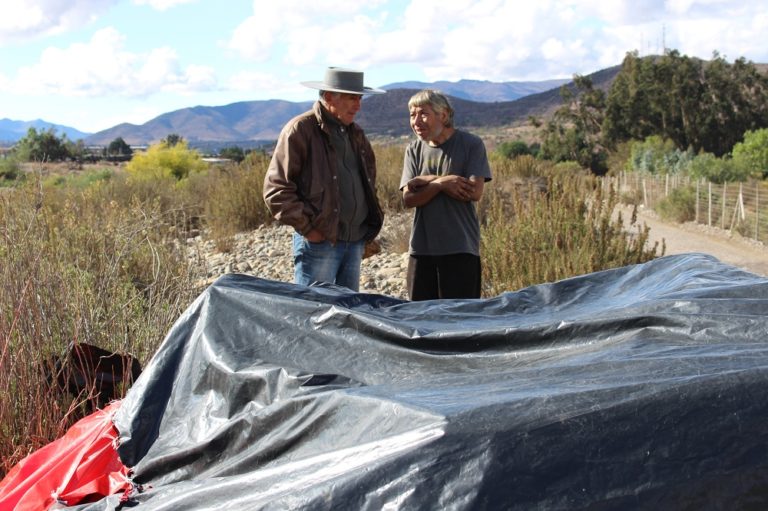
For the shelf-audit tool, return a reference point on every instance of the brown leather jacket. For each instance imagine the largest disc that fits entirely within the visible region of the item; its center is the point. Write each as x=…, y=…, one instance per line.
x=300, y=186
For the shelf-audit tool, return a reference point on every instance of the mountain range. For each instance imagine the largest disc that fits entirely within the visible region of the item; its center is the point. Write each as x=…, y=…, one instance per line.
x=14, y=130
x=251, y=123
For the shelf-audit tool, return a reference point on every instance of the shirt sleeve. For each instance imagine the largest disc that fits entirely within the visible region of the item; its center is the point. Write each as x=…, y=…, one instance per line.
x=410, y=166
x=478, y=160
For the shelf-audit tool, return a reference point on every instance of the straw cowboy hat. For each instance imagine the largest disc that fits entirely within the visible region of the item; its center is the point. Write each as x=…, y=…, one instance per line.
x=343, y=80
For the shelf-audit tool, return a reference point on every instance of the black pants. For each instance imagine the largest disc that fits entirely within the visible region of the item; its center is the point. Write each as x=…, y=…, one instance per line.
x=448, y=276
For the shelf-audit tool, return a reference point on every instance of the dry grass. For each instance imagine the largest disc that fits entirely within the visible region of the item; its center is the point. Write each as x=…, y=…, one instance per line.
x=537, y=231
x=79, y=266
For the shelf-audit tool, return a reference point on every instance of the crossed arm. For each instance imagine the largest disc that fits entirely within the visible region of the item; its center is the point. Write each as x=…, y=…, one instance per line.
x=422, y=189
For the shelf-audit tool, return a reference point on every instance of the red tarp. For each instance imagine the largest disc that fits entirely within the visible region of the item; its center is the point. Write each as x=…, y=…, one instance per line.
x=81, y=466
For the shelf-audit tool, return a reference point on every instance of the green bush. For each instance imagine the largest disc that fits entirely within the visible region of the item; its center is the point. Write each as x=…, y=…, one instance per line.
x=658, y=156
x=751, y=155
x=718, y=170
x=519, y=167
x=10, y=170
x=80, y=180
x=679, y=206
x=513, y=149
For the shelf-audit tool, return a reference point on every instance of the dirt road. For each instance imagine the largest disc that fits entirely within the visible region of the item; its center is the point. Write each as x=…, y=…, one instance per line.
x=728, y=248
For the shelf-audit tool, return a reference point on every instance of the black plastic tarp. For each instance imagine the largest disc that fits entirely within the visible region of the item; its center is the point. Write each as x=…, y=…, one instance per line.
x=643, y=387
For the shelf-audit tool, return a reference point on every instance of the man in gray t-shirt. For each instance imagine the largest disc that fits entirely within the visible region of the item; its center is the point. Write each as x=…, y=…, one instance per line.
x=443, y=176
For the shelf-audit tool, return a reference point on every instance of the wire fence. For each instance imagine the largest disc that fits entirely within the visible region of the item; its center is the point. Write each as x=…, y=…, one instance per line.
x=735, y=207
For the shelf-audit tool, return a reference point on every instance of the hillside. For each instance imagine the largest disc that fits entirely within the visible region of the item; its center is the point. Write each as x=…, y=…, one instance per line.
x=11, y=130
x=481, y=90
x=257, y=123
x=479, y=104
x=384, y=115
x=236, y=122
x=387, y=114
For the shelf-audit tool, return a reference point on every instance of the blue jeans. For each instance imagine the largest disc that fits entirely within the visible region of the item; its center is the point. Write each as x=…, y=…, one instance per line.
x=323, y=262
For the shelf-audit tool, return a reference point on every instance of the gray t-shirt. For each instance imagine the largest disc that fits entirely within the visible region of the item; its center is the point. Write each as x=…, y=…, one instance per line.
x=446, y=226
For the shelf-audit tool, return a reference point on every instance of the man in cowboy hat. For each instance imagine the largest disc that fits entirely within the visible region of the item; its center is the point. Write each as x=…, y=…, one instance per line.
x=322, y=182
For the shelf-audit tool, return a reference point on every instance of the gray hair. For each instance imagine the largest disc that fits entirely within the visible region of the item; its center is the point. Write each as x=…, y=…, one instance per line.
x=435, y=99
x=321, y=94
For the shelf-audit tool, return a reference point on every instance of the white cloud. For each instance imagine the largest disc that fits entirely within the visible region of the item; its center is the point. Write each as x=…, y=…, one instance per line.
x=102, y=67
x=284, y=42
x=27, y=19
x=162, y=5
x=309, y=32
x=553, y=49
x=253, y=40
x=250, y=81
x=547, y=39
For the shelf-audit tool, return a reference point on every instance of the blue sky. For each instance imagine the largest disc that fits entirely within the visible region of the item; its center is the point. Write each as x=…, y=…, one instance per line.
x=92, y=64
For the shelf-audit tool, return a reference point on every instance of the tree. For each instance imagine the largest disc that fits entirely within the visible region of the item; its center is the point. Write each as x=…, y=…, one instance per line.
x=701, y=105
x=76, y=150
x=574, y=133
x=42, y=146
x=118, y=147
x=234, y=153
x=172, y=139
x=752, y=154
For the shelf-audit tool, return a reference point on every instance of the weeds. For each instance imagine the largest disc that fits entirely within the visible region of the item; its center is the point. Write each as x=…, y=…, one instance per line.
x=77, y=267
x=679, y=206
x=533, y=234
x=233, y=199
x=389, y=167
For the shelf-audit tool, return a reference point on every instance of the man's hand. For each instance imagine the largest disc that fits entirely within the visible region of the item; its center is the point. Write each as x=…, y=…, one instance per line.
x=418, y=183
x=315, y=236
x=456, y=187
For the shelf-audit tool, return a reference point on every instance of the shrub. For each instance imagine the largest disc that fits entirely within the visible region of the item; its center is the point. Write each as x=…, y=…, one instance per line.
x=520, y=167
x=718, y=170
x=542, y=234
x=513, y=149
x=658, y=156
x=232, y=195
x=79, y=180
x=679, y=206
x=165, y=160
x=10, y=170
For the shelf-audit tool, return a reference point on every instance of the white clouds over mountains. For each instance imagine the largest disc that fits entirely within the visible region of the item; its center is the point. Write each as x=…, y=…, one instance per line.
x=103, y=66
x=212, y=52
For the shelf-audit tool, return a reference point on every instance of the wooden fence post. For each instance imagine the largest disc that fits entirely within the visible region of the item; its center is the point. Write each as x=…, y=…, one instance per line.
x=757, y=210
x=722, y=207
x=698, y=183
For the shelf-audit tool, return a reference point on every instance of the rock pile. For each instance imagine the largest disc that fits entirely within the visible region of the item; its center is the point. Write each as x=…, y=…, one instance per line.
x=266, y=253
